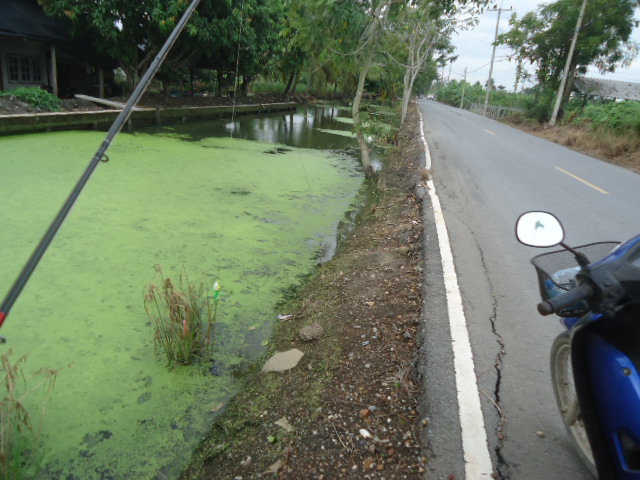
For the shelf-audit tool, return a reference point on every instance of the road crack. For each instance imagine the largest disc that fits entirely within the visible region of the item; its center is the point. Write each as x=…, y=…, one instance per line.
x=502, y=468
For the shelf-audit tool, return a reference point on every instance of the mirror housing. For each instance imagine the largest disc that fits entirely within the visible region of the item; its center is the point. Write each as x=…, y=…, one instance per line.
x=539, y=229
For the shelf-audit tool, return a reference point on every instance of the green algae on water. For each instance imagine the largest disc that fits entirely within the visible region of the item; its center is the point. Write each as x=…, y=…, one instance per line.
x=222, y=209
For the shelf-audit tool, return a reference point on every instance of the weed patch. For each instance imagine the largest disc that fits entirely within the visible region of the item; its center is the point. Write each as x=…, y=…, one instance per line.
x=184, y=316
x=21, y=451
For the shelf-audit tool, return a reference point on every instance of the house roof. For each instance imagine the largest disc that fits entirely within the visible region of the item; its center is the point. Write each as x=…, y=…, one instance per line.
x=26, y=19
x=608, y=88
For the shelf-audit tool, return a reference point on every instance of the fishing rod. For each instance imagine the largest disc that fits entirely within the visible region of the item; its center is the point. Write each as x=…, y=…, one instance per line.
x=100, y=156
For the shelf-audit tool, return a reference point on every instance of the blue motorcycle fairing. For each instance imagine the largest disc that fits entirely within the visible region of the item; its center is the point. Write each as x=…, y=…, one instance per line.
x=605, y=359
x=618, y=383
x=619, y=252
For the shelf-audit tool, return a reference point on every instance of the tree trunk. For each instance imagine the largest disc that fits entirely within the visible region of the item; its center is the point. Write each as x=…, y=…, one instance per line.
x=220, y=82
x=566, y=94
x=132, y=76
x=287, y=89
x=355, y=112
x=409, y=79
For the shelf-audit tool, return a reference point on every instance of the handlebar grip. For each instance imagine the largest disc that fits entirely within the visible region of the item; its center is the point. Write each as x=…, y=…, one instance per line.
x=567, y=299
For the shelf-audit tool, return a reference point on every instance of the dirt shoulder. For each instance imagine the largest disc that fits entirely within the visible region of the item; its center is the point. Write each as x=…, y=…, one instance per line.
x=349, y=409
x=619, y=150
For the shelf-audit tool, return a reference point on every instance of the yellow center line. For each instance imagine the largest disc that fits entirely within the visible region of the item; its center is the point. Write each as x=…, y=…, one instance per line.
x=489, y=132
x=589, y=184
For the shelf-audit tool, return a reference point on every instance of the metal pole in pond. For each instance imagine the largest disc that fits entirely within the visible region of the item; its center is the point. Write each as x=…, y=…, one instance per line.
x=99, y=156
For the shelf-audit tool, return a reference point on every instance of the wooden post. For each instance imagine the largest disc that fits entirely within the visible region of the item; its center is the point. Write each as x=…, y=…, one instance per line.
x=158, y=117
x=54, y=71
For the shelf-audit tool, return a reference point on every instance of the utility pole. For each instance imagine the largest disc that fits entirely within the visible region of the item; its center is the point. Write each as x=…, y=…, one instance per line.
x=464, y=85
x=493, y=55
x=565, y=74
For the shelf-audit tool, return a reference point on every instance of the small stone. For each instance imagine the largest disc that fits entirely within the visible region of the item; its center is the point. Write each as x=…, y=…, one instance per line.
x=540, y=434
x=246, y=463
x=311, y=332
x=274, y=467
x=284, y=423
x=282, y=361
x=403, y=250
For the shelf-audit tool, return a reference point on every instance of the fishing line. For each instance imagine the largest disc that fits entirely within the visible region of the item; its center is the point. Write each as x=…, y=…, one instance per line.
x=100, y=156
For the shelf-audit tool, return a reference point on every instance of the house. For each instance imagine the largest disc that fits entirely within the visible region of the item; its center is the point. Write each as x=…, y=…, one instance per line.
x=613, y=89
x=38, y=51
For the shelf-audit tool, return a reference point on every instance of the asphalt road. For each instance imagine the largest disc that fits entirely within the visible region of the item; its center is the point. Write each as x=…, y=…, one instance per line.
x=486, y=174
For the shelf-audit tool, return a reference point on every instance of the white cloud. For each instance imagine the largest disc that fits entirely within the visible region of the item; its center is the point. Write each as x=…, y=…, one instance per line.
x=474, y=50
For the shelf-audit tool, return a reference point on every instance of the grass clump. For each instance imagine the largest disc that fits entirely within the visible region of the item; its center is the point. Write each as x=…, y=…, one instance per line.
x=184, y=316
x=35, y=97
x=20, y=432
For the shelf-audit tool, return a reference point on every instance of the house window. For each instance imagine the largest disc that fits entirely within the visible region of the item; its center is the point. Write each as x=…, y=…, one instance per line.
x=23, y=69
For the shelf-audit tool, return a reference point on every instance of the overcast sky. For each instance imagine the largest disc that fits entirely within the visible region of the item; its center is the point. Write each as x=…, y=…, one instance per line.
x=474, y=49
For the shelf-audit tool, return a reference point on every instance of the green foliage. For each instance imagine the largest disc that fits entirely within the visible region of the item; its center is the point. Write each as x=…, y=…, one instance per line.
x=20, y=430
x=184, y=317
x=617, y=117
x=543, y=37
x=133, y=32
x=380, y=123
x=457, y=92
x=35, y=97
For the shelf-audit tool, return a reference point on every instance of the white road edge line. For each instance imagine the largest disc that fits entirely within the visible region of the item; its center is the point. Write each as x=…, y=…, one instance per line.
x=474, y=436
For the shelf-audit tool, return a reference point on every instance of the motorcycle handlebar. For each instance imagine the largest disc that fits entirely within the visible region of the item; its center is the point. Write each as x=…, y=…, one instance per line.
x=573, y=296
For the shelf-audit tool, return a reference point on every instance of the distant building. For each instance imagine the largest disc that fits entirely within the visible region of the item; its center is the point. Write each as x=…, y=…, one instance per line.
x=38, y=51
x=613, y=89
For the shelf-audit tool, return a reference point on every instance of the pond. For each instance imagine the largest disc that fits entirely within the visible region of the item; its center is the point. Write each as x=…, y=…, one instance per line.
x=252, y=203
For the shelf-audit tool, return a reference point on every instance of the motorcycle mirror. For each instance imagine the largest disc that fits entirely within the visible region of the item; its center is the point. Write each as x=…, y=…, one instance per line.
x=539, y=229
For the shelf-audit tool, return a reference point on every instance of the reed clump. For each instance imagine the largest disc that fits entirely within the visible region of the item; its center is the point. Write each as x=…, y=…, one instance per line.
x=184, y=316
x=21, y=452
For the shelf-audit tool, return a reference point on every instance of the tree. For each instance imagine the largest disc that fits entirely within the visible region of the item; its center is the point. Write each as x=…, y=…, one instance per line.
x=421, y=30
x=544, y=39
x=133, y=32
x=519, y=39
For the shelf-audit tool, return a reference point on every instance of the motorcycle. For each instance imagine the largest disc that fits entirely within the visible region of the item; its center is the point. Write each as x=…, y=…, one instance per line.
x=595, y=362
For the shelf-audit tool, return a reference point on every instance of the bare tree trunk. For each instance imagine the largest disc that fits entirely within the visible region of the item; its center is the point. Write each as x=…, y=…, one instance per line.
x=355, y=112
x=409, y=79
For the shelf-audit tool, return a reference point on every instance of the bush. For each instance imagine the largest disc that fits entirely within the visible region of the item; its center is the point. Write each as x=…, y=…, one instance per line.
x=617, y=117
x=35, y=97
